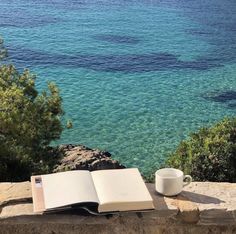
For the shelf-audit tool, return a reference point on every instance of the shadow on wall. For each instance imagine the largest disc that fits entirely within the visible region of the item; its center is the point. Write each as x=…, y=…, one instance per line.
x=200, y=198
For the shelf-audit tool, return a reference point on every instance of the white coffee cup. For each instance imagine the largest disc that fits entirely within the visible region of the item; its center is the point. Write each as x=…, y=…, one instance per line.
x=170, y=181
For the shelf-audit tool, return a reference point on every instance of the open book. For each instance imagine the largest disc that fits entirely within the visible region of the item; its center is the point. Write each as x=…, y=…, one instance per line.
x=107, y=190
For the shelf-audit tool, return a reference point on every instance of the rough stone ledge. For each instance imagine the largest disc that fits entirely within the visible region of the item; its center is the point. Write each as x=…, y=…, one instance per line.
x=201, y=204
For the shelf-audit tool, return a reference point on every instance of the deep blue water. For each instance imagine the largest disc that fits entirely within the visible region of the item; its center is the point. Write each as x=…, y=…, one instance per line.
x=136, y=77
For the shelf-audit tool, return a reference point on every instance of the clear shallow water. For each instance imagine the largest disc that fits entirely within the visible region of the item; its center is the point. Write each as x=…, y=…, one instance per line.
x=136, y=77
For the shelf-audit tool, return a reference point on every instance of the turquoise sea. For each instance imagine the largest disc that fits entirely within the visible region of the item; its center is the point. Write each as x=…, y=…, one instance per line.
x=137, y=76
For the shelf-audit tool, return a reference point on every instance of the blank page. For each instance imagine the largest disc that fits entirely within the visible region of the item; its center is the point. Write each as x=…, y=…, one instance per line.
x=66, y=188
x=121, y=189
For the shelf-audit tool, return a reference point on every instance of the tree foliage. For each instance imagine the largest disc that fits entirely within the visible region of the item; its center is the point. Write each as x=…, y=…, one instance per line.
x=29, y=121
x=209, y=154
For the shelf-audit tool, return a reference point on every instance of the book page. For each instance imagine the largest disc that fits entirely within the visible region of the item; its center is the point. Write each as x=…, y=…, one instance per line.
x=66, y=188
x=121, y=189
x=37, y=194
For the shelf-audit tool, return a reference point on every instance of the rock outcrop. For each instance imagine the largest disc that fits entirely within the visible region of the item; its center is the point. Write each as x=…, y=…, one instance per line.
x=79, y=157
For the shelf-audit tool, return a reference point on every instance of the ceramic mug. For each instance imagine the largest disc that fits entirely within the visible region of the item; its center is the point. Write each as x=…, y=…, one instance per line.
x=170, y=181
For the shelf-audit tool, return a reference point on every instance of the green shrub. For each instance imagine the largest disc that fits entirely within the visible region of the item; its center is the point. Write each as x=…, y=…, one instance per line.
x=210, y=154
x=29, y=121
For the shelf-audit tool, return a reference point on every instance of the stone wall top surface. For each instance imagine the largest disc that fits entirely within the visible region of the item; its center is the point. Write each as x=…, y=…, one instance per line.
x=201, y=203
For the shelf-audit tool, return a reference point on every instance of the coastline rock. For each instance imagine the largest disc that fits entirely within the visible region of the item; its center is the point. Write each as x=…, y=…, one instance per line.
x=79, y=157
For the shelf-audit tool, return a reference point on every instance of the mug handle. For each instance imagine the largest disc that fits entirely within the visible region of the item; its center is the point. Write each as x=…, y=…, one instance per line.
x=189, y=180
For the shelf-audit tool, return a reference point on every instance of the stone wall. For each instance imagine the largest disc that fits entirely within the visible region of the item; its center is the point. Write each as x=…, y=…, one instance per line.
x=202, y=207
